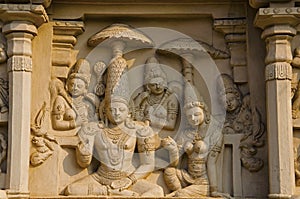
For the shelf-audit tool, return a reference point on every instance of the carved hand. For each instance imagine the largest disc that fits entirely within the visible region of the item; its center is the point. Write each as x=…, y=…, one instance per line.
x=122, y=184
x=168, y=143
x=84, y=149
x=188, y=147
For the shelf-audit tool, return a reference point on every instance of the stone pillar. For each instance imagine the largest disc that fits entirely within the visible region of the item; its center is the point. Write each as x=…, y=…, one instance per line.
x=234, y=31
x=19, y=30
x=278, y=30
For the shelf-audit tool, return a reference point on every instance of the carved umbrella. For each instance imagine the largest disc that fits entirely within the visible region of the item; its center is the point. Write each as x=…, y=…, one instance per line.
x=187, y=49
x=117, y=37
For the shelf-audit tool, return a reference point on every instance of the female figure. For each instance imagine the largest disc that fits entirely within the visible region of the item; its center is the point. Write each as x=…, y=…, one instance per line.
x=75, y=107
x=193, y=181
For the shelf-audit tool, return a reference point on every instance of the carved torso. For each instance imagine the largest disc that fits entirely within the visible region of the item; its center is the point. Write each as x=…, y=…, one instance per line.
x=115, y=148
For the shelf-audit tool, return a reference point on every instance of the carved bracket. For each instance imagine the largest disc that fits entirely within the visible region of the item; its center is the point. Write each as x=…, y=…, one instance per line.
x=63, y=53
x=234, y=31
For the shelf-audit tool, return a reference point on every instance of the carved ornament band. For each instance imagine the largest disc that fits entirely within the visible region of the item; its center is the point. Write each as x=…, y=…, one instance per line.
x=20, y=63
x=279, y=71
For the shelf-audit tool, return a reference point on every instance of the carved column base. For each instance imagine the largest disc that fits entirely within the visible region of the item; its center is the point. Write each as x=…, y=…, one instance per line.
x=12, y=194
x=279, y=196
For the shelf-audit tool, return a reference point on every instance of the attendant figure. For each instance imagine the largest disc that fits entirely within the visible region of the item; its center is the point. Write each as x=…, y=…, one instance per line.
x=74, y=106
x=158, y=104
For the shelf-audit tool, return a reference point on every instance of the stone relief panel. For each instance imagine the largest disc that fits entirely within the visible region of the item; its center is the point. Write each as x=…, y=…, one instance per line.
x=112, y=135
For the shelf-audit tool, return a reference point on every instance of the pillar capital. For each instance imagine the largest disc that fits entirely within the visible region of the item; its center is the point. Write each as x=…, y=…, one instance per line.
x=35, y=14
x=19, y=26
x=266, y=17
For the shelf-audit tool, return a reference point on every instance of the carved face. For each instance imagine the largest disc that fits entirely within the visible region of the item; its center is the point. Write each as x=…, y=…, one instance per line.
x=156, y=86
x=76, y=87
x=195, y=116
x=117, y=113
x=232, y=103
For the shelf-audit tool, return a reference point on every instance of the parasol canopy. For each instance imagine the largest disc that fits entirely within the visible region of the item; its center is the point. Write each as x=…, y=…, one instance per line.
x=121, y=32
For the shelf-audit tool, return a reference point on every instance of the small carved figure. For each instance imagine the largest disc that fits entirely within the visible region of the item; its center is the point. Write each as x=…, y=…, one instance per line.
x=233, y=102
x=41, y=140
x=77, y=107
x=3, y=56
x=295, y=86
x=3, y=148
x=114, y=145
x=244, y=119
x=3, y=96
x=297, y=165
x=99, y=69
x=44, y=150
x=296, y=59
x=158, y=104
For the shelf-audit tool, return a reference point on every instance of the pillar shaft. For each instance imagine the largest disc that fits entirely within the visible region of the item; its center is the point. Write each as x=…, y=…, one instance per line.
x=19, y=36
x=278, y=34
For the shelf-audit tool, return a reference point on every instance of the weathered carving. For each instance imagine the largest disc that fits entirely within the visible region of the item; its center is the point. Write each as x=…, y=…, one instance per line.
x=295, y=85
x=3, y=148
x=20, y=63
x=278, y=70
x=188, y=46
x=296, y=58
x=41, y=140
x=114, y=143
x=214, y=52
x=297, y=165
x=74, y=107
x=99, y=70
x=242, y=118
x=158, y=104
x=3, y=96
x=3, y=56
